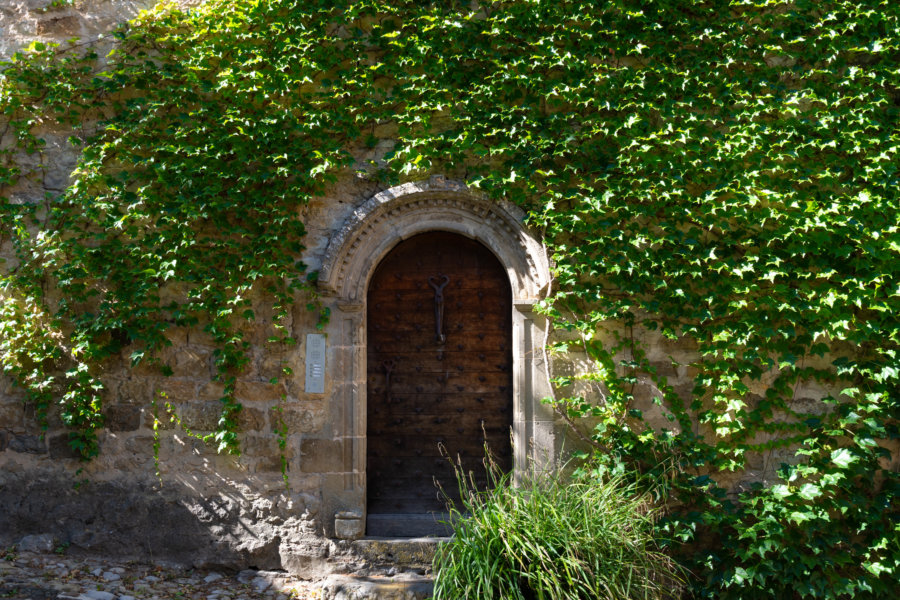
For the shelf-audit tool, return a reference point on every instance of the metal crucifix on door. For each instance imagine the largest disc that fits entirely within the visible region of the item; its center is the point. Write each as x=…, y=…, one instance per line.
x=438, y=284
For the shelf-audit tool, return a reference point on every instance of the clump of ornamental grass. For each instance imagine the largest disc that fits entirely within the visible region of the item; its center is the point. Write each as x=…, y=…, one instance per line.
x=553, y=537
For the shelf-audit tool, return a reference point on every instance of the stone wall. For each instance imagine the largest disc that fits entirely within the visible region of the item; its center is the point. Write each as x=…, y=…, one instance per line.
x=203, y=509
x=200, y=509
x=25, y=21
x=672, y=359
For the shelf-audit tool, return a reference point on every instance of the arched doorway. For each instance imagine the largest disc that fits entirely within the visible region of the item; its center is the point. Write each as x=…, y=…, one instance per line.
x=353, y=254
x=439, y=378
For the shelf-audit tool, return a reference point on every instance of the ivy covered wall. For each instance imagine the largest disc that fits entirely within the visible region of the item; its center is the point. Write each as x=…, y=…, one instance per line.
x=718, y=176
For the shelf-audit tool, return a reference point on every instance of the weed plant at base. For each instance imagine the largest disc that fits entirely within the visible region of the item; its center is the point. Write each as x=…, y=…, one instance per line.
x=553, y=538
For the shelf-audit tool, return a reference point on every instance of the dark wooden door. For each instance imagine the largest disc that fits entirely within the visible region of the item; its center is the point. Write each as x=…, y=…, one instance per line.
x=439, y=375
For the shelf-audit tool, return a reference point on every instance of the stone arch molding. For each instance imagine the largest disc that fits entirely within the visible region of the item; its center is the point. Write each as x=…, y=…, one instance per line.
x=351, y=257
x=438, y=204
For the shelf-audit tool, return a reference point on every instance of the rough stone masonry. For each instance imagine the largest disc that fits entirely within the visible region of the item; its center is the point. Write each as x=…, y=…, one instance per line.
x=209, y=511
x=202, y=509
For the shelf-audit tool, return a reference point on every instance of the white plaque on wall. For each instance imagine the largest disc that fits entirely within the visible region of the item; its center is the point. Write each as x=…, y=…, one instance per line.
x=315, y=363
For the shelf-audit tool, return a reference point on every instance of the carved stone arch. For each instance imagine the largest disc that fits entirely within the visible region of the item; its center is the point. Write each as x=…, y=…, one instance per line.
x=437, y=204
x=350, y=259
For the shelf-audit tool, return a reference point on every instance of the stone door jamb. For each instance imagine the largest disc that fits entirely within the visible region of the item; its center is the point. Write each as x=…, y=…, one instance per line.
x=351, y=257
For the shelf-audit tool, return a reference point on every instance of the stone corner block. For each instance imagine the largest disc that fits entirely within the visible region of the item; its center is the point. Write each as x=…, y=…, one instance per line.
x=348, y=525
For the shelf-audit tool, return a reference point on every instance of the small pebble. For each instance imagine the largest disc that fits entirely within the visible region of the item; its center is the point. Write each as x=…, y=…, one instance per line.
x=246, y=576
x=98, y=595
x=260, y=585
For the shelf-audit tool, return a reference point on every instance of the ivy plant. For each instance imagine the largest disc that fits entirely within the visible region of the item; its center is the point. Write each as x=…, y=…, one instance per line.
x=716, y=176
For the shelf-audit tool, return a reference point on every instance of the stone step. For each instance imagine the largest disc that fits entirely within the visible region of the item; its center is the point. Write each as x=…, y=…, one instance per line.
x=409, y=525
x=355, y=587
x=399, y=553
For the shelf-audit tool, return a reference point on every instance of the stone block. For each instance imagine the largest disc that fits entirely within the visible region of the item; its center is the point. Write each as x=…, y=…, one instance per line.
x=62, y=160
x=308, y=418
x=269, y=464
x=307, y=567
x=98, y=595
x=256, y=332
x=212, y=390
x=143, y=445
x=190, y=362
x=259, y=391
x=685, y=391
x=300, y=503
x=67, y=25
x=681, y=347
x=164, y=416
x=812, y=406
x=134, y=391
x=123, y=417
x=11, y=414
x=657, y=416
x=140, y=444
x=60, y=448
x=37, y=6
x=201, y=416
x=255, y=445
x=563, y=366
x=27, y=444
x=31, y=420
x=891, y=461
x=754, y=461
x=349, y=525
x=665, y=368
x=251, y=419
x=41, y=544
x=407, y=587
x=7, y=387
x=134, y=463
x=177, y=390
x=173, y=291
x=321, y=456
x=178, y=336
x=405, y=553
x=273, y=365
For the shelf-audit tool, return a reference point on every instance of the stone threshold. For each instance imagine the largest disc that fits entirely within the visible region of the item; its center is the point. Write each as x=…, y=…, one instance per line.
x=405, y=586
x=398, y=553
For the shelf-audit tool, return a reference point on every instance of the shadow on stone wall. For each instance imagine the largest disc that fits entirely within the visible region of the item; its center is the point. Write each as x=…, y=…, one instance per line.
x=169, y=525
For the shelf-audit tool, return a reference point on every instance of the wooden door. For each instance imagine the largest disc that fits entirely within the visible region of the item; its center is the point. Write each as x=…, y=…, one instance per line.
x=439, y=375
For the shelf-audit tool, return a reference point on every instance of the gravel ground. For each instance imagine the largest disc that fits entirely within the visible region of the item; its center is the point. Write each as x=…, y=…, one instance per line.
x=51, y=576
